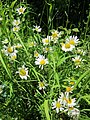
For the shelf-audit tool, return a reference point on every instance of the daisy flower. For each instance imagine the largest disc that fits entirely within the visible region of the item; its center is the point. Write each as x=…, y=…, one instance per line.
x=21, y=10
x=36, y=54
x=41, y=61
x=18, y=46
x=23, y=72
x=32, y=44
x=57, y=105
x=55, y=35
x=77, y=60
x=13, y=56
x=73, y=112
x=71, y=82
x=46, y=41
x=8, y=50
x=16, y=28
x=67, y=47
x=16, y=22
x=69, y=89
x=73, y=40
x=47, y=49
x=37, y=28
x=63, y=97
x=71, y=102
x=42, y=85
x=80, y=51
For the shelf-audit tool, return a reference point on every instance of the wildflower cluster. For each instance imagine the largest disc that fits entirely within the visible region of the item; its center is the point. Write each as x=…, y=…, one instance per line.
x=10, y=51
x=42, y=59
x=66, y=104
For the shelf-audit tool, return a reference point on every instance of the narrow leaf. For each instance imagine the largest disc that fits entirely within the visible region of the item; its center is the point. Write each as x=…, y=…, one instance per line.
x=4, y=65
x=46, y=109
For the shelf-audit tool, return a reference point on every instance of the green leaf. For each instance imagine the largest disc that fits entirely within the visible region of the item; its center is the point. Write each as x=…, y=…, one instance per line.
x=13, y=3
x=11, y=89
x=86, y=98
x=75, y=30
x=22, y=44
x=81, y=77
x=61, y=60
x=4, y=65
x=46, y=109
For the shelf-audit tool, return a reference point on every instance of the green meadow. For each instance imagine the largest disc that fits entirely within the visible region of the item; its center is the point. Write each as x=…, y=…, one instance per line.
x=44, y=60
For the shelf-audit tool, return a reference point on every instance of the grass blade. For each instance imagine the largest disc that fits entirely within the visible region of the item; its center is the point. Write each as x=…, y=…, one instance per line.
x=81, y=77
x=46, y=109
x=4, y=65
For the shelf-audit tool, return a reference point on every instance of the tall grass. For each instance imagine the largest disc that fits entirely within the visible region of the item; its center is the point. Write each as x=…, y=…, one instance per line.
x=28, y=93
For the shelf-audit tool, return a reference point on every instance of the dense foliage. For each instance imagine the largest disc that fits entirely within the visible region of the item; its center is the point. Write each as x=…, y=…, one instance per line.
x=44, y=60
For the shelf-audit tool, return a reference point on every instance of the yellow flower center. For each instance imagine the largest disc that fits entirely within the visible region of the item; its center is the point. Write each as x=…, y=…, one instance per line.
x=36, y=54
x=71, y=108
x=42, y=62
x=15, y=28
x=54, y=35
x=10, y=49
x=58, y=105
x=22, y=72
x=77, y=61
x=67, y=45
x=46, y=41
x=64, y=98
x=13, y=57
x=69, y=101
x=72, y=42
x=17, y=22
x=31, y=44
x=47, y=49
x=68, y=89
x=72, y=83
x=41, y=84
x=21, y=10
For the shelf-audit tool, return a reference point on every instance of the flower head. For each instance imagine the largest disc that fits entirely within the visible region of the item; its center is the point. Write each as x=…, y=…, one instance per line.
x=36, y=54
x=71, y=102
x=57, y=105
x=21, y=10
x=32, y=44
x=16, y=28
x=73, y=112
x=69, y=89
x=67, y=47
x=41, y=61
x=16, y=22
x=77, y=60
x=46, y=41
x=55, y=35
x=63, y=97
x=37, y=28
x=42, y=85
x=73, y=40
x=80, y=51
x=18, y=46
x=23, y=72
x=47, y=49
x=13, y=56
x=9, y=50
